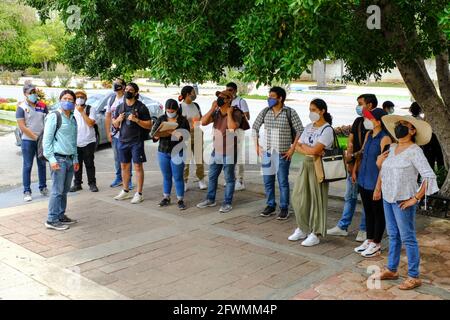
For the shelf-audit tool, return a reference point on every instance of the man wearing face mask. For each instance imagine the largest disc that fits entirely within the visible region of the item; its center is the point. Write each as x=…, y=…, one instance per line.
x=86, y=142
x=133, y=120
x=114, y=134
x=355, y=142
x=226, y=120
x=282, y=131
x=30, y=120
x=388, y=107
x=60, y=148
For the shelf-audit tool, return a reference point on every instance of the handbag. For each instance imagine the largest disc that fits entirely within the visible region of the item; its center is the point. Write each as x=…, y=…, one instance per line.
x=331, y=166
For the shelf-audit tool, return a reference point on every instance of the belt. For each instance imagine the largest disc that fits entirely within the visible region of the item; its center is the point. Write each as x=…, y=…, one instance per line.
x=63, y=156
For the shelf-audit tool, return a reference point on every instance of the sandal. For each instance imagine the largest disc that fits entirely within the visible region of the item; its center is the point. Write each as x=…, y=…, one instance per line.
x=387, y=274
x=410, y=284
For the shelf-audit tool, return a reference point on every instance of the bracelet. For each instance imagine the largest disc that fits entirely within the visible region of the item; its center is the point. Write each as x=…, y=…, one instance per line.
x=418, y=200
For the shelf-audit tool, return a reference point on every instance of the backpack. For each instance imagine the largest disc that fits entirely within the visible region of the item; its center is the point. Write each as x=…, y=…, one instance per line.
x=144, y=134
x=88, y=111
x=40, y=146
x=289, y=116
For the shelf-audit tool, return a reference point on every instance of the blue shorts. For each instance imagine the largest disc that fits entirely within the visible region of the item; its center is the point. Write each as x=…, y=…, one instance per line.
x=132, y=151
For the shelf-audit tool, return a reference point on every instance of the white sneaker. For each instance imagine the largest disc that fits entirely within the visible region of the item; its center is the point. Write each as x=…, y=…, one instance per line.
x=312, y=240
x=27, y=197
x=372, y=251
x=362, y=247
x=297, y=235
x=123, y=195
x=202, y=185
x=336, y=231
x=138, y=198
x=361, y=236
x=239, y=186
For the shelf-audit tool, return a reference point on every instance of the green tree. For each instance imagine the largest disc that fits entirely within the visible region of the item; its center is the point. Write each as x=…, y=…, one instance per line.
x=42, y=52
x=273, y=40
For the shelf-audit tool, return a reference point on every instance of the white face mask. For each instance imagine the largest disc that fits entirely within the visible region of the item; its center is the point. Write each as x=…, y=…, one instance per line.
x=368, y=124
x=314, y=116
x=171, y=115
x=80, y=101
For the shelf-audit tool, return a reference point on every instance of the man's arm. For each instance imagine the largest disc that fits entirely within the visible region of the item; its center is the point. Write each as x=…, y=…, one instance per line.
x=49, y=132
x=208, y=117
x=24, y=129
x=89, y=121
x=232, y=124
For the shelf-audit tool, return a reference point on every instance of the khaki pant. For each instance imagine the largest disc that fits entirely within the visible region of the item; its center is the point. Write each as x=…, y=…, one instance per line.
x=198, y=159
x=310, y=200
x=240, y=159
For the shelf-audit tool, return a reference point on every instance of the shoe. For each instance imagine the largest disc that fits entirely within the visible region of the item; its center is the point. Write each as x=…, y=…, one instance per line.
x=66, y=220
x=312, y=240
x=372, y=251
x=284, y=214
x=268, y=211
x=361, y=236
x=44, y=192
x=202, y=185
x=93, y=188
x=297, y=235
x=362, y=247
x=336, y=231
x=181, y=205
x=123, y=195
x=56, y=226
x=27, y=197
x=410, y=284
x=387, y=274
x=116, y=183
x=225, y=208
x=138, y=198
x=164, y=202
x=75, y=188
x=239, y=186
x=206, y=203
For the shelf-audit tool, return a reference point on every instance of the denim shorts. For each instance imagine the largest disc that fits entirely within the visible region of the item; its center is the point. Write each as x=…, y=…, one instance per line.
x=132, y=151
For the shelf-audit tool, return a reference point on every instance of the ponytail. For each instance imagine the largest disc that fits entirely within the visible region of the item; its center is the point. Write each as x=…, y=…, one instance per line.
x=328, y=118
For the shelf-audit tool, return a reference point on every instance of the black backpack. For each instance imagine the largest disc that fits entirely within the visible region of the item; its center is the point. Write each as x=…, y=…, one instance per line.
x=144, y=133
x=88, y=112
x=40, y=146
x=289, y=116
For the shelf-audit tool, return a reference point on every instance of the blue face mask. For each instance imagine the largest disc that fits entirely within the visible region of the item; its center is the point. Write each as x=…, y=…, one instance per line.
x=33, y=98
x=272, y=102
x=359, y=110
x=67, y=105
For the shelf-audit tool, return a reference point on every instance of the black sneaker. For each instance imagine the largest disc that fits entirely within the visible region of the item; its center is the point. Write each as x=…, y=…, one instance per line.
x=75, y=188
x=93, y=188
x=283, y=215
x=181, y=205
x=66, y=220
x=56, y=226
x=268, y=211
x=164, y=202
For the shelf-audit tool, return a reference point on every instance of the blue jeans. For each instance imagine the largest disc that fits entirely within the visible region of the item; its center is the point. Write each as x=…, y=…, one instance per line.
x=171, y=170
x=401, y=229
x=115, y=144
x=219, y=162
x=351, y=198
x=61, y=185
x=29, y=152
x=273, y=164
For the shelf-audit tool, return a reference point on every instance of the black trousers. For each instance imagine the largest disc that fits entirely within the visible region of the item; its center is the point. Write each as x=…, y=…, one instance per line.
x=86, y=156
x=375, y=221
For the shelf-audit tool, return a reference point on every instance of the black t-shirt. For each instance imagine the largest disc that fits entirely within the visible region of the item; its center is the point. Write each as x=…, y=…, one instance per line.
x=165, y=143
x=359, y=133
x=130, y=131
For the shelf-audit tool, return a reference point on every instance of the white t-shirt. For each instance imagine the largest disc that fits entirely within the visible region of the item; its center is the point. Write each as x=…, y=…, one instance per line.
x=240, y=103
x=189, y=111
x=86, y=134
x=112, y=109
x=313, y=135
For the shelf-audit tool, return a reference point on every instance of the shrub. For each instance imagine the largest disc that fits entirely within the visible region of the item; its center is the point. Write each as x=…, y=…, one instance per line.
x=11, y=100
x=106, y=84
x=8, y=106
x=64, y=78
x=142, y=74
x=48, y=77
x=233, y=75
x=441, y=175
x=81, y=83
x=11, y=78
x=32, y=71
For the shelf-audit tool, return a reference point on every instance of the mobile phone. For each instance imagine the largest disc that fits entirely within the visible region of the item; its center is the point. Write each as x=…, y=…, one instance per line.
x=386, y=148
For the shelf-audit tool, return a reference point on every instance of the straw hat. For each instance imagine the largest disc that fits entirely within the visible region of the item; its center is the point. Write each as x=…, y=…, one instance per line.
x=423, y=128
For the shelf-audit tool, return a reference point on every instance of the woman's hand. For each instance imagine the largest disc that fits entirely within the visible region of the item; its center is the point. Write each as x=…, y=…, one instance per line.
x=381, y=158
x=354, y=177
x=377, y=195
x=408, y=203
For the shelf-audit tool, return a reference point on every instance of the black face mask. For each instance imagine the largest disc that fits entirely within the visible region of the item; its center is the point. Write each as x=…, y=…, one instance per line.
x=117, y=87
x=401, y=131
x=220, y=101
x=129, y=95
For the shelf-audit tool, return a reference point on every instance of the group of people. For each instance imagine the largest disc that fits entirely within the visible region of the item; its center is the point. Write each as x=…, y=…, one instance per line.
x=383, y=158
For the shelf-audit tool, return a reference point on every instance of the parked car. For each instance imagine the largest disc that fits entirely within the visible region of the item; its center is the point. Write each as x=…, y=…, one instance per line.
x=98, y=103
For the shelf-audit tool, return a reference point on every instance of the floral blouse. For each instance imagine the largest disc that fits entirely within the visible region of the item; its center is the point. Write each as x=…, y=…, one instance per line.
x=399, y=174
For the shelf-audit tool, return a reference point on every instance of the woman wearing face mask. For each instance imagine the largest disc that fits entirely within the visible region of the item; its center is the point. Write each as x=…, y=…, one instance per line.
x=376, y=140
x=400, y=167
x=191, y=111
x=309, y=197
x=60, y=148
x=170, y=155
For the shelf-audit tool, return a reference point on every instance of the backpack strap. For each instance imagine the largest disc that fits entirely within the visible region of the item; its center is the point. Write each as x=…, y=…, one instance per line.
x=58, y=123
x=88, y=110
x=336, y=141
x=198, y=108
